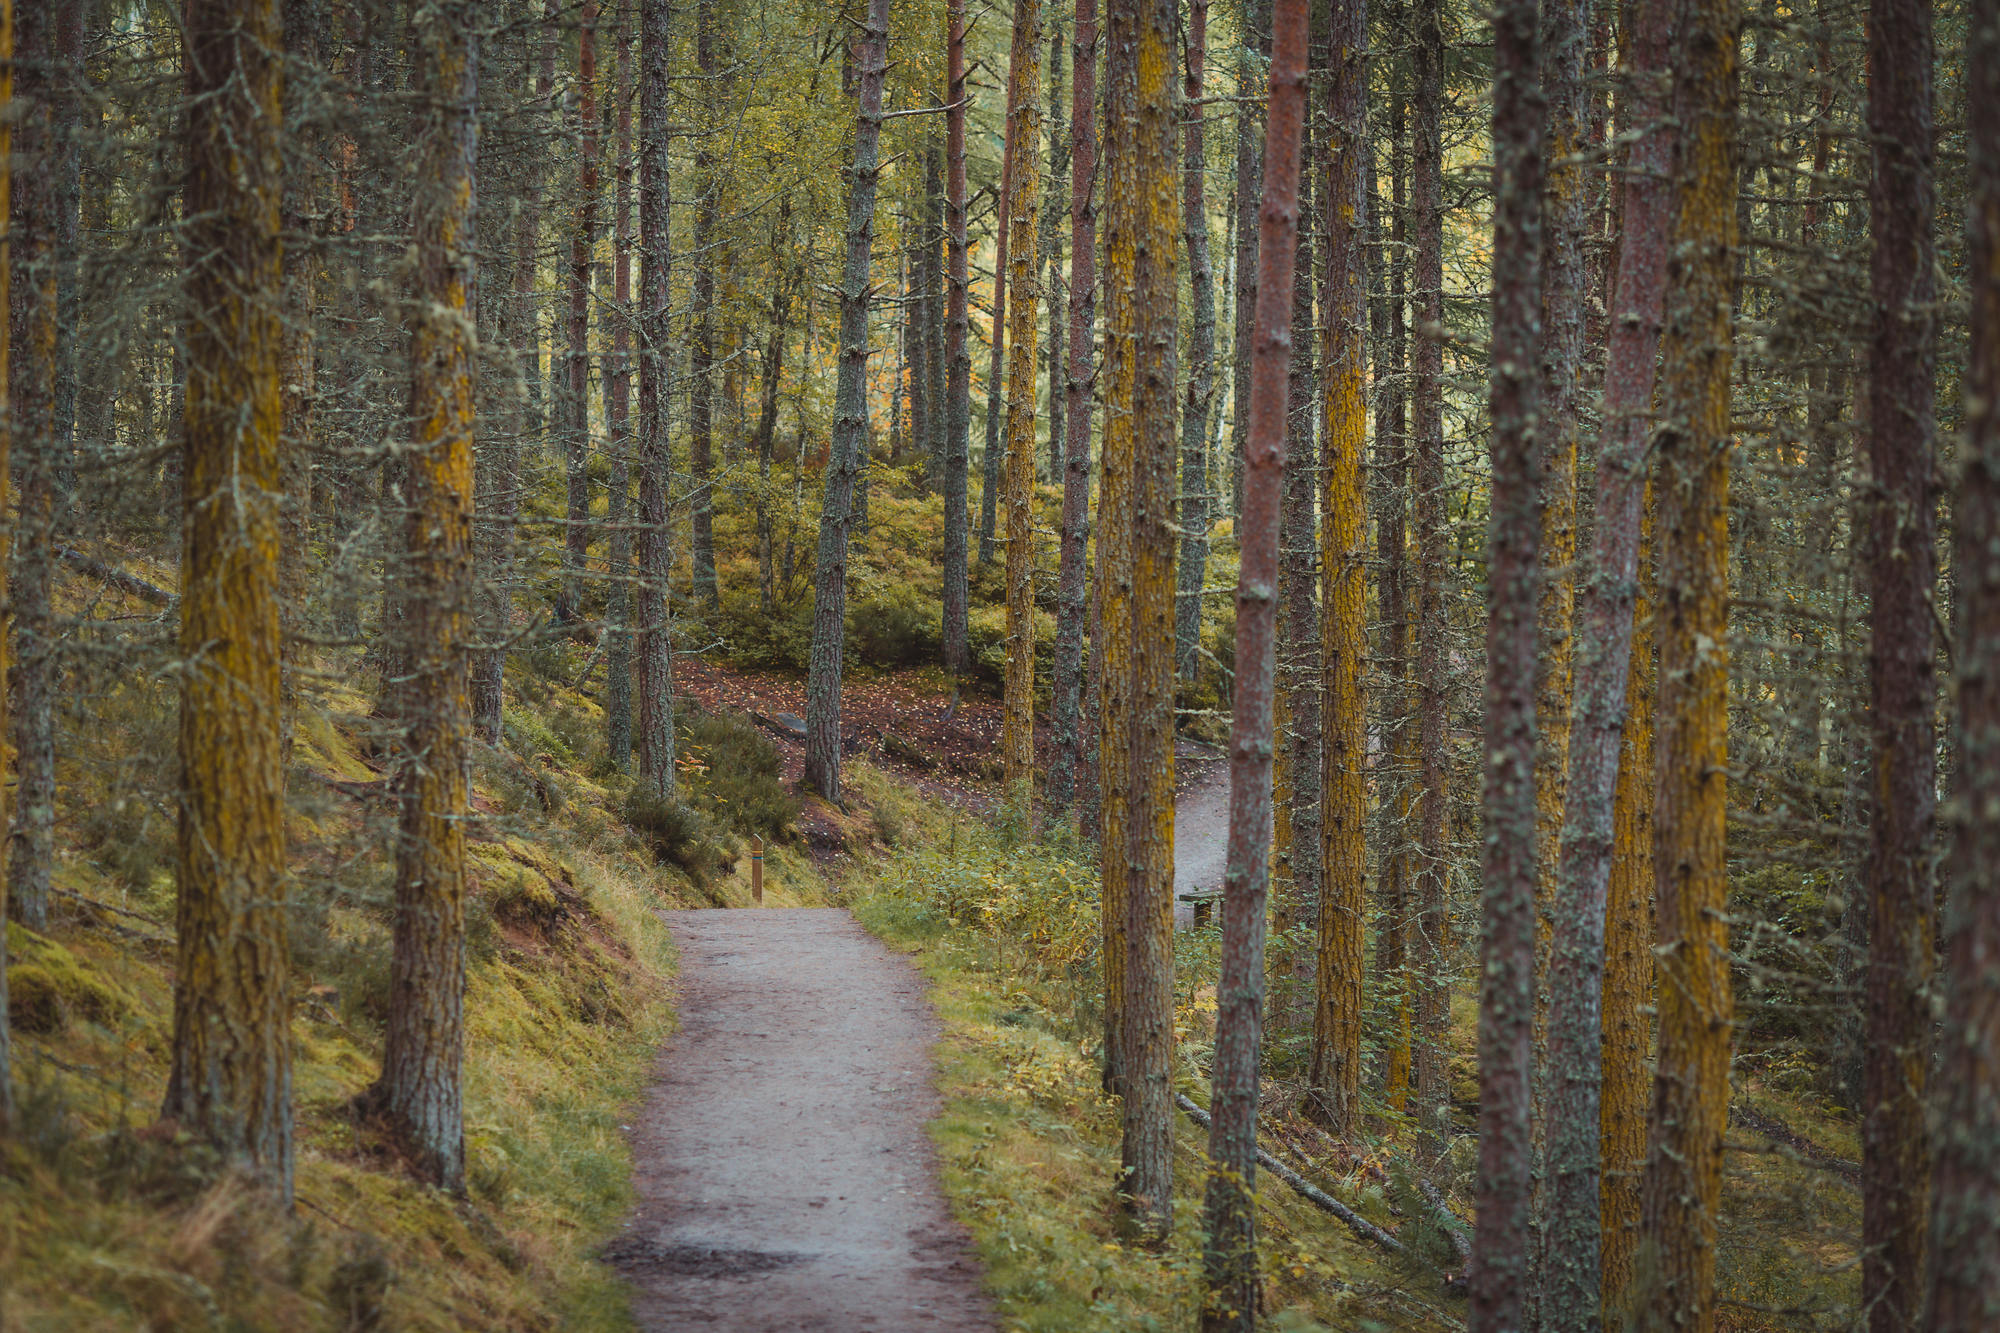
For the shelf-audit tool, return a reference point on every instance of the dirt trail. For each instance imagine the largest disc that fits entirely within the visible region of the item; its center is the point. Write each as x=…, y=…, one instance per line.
x=784, y=1175
x=1201, y=838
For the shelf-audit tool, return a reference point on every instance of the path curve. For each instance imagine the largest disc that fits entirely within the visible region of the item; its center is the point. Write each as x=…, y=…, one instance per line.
x=1201, y=840
x=785, y=1178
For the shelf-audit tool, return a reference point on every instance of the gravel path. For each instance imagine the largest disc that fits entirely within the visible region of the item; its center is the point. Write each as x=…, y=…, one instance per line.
x=1201, y=839
x=785, y=1179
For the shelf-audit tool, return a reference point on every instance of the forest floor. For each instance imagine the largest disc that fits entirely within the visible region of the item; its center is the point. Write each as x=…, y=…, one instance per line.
x=784, y=1175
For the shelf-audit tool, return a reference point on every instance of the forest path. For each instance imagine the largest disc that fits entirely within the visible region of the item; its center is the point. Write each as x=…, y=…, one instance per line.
x=1201, y=837
x=784, y=1175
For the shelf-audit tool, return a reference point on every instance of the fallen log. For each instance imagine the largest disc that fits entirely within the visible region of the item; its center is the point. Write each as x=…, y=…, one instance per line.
x=1310, y=1192
x=112, y=577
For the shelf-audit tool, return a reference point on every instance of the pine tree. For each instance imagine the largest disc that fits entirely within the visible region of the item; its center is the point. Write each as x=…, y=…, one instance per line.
x=420, y=1093
x=1682, y=1190
x=1229, y=1258
x=1903, y=588
x=1334, y=1078
x=1499, y=1280
x=230, y=1078
x=1024, y=115
x=850, y=425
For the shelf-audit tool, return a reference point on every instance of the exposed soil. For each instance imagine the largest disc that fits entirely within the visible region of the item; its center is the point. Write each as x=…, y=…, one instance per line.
x=784, y=1175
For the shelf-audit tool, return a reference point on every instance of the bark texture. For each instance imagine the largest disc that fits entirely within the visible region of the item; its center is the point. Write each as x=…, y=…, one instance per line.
x=1200, y=395
x=38, y=256
x=1229, y=1259
x=7, y=1113
x=1334, y=1077
x=1080, y=374
x=1024, y=117
x=655, y=649
x=701, y=350
x=421, y=1093
x=957, y=352
x=1592, y=1143
x=1432, y=999
x=1682, y=1191
x=850, y=422
x=1499, y=1278
x=230, y=1077
x=1902, y=575
x=1138, y=665
x=1965, y=1216
x=575, y=397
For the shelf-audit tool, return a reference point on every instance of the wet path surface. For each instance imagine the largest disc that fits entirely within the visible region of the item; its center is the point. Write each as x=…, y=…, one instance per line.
x=786, y=1180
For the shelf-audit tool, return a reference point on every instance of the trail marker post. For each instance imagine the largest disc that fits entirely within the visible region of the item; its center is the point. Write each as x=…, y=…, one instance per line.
x=757, y=870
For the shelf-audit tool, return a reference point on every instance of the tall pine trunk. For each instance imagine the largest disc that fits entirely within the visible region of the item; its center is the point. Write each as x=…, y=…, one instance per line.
x=1229, y=1258
x=1499, y=1280
x=575, y=397
x=421, y=1093
x=1024, y=117
x=38, y=255
x=701, y=357
x=957, y=354
x=1070, y=577
x=229, y=1081
x=1682, y=1192
x=1594, y=1133
x=1430, y=945
x=6, y=449
x=1334, y=1076
x=1200, y=393
x=618, y=423
x=850, y=422
x=655, y=740
x=1140, y=280
x=1965, y=1217
x=989, y=492
x=1903, y=588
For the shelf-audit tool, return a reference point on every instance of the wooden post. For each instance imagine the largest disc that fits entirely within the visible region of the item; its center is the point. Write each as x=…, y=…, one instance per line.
x=757, y=870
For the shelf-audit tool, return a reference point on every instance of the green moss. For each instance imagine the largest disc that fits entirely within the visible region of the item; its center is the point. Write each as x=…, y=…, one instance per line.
x=48, y=986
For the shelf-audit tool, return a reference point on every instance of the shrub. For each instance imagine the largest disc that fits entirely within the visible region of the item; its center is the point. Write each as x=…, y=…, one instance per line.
x=735, y=775
x=895, y=625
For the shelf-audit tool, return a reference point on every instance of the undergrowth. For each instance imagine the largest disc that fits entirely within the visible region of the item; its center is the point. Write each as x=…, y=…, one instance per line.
x=108, y=1220
x=1028, y=1141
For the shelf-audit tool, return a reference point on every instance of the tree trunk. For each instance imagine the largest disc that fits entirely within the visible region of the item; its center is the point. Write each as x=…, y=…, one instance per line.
x=1334, y=1077
x=1499, y=1278
x=1432, y=999
x=1598, y=974
x=1565, y=295
x=767, y=412
x=1682, y=1192
x=1965, y=1219
x=1895, y=1156
x=1051, y=249
x=1201, y=360
x=990, y=465
x=617, y=418
x=7, y=1113
x=576, y=360
x=1024, y=117
x=230, y=1079
x=1295, y=780
x=850, y=424
x=301, y=20
x=701, y=357
x=957, y=355
x=38, y=257
x=655, y=740
x=1392, y=452
x=421, y=1093
x=1255, y=36
x=1139, y=608
x=1060, y=790
x=1229, y=1259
